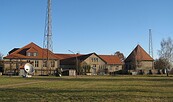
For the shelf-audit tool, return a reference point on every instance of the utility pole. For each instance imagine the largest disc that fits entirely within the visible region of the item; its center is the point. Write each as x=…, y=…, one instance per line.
x=76, y=61
x=47, y=43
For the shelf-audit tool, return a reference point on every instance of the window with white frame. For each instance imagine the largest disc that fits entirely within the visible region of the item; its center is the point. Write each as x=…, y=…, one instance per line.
x=28, y=53
x=36, y=63
x=35, y=54
x=44, y=63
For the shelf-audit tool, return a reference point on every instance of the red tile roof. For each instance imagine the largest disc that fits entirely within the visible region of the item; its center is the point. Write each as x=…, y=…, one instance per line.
x=111, y=59
x=32, y=47
x=139, y=54
x=108, y=59
x=65, y=56
x=71, y=58
x=21, y=53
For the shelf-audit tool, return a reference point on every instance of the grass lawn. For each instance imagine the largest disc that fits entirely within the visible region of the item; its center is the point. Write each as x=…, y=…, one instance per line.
x=87, y=88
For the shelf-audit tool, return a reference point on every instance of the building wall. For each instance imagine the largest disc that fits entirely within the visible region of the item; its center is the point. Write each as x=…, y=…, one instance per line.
x=11, y=66
x=143, y=65
x=92, y=65
x=42, y=70
x=64, y=67
x=113, y=68
x=14, y=66
x=147, y=64
x=95, y=63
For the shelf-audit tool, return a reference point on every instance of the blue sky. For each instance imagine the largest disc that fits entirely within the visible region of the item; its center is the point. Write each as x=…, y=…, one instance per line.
x=85, y=26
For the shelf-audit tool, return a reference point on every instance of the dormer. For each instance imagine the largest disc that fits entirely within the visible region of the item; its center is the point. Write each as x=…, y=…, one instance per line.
x=31, y=52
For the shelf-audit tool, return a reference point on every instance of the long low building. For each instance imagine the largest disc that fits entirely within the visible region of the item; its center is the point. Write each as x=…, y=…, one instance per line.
x=91, y=64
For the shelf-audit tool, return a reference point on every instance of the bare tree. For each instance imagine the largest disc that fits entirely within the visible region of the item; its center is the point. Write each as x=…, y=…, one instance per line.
x=160, y=63
x=1, y=63
x=120, y=55
x=1, y=56
x=166, y=52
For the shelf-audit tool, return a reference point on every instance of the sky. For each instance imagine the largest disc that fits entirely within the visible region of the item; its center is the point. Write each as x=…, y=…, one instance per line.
x=86, y=26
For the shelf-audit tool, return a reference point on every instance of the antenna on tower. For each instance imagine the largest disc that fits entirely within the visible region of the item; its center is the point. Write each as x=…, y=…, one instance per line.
x=150, y=44
x=47, y=42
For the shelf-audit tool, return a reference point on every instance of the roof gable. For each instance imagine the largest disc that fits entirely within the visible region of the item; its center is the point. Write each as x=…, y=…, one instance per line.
x=72, y=60
x=83, y=57
x=31, y=47
x=139, y=54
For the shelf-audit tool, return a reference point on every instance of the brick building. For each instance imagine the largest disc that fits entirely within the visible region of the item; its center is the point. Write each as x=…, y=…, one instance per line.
x=33, y=54
x=139, y=60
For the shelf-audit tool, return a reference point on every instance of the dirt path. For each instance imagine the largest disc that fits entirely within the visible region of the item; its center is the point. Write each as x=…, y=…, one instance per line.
x=20, y=84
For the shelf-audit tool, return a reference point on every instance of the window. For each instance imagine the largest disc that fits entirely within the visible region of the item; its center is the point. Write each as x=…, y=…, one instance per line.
x=32, y=54
x=94, y=59
x=44, y=63
x=35, y=54
x=36, y=63
x=100, y=67
x=94, y=65
x=52, y=63
x=28, y=54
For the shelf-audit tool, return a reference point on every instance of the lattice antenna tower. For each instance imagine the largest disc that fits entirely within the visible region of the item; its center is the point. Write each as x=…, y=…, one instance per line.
x=150, y=44
x=47, y=43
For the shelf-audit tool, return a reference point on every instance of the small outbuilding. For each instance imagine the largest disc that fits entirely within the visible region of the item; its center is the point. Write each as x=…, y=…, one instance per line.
x=139, y=61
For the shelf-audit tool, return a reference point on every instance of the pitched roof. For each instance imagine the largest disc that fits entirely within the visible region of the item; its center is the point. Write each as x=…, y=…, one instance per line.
x=14, y=49
x=72, y=60
x=111, y=59
x=32, y=47
x=65, y=56
x=139, y=54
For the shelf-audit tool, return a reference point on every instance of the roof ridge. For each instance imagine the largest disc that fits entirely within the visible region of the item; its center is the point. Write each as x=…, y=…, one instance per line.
x=21, y=52
x=139, y=53
x=26, y=46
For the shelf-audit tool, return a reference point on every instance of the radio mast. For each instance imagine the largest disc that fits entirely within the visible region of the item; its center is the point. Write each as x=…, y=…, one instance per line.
x=47, y=43
x=150, y=44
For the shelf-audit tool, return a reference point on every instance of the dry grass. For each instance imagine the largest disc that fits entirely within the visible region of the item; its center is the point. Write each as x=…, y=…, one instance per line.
x=87, y=88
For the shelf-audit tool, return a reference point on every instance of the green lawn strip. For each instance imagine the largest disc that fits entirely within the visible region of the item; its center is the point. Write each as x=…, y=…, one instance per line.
x=94, y=88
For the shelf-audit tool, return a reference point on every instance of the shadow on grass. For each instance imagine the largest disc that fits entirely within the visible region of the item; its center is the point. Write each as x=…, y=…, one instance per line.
x=35, y=94
x=128, y=92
